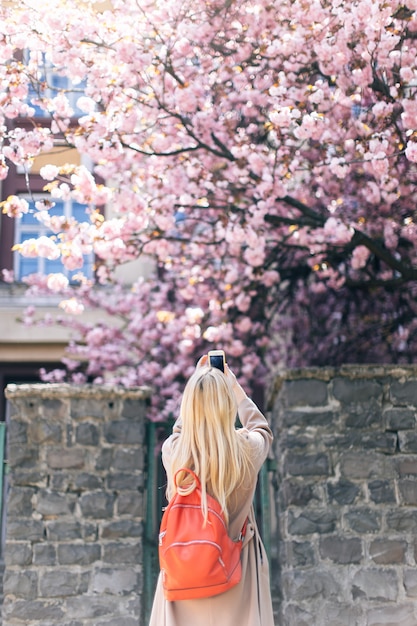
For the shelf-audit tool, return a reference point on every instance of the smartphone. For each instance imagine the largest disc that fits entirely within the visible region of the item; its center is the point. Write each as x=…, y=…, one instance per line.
x=217, y=358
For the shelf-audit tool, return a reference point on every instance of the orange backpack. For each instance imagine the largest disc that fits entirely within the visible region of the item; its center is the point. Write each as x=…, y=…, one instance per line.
x=197, y=560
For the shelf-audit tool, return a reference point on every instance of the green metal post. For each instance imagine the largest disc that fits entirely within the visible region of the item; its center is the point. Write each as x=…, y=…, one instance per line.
x=150, y=522
x=265, y=508
x=2, y=463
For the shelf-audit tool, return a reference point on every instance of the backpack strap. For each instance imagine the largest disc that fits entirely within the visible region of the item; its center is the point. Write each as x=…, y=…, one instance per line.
x=197, y=484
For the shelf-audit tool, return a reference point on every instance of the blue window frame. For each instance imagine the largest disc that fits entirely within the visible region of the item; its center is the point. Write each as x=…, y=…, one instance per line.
x=28, y=227
x=53, y=83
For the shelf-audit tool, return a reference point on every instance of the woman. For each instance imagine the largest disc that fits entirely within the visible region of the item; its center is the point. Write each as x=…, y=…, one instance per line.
x=227, y=461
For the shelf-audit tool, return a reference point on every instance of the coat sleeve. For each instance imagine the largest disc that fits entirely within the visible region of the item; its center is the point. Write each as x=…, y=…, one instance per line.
x=256, y=429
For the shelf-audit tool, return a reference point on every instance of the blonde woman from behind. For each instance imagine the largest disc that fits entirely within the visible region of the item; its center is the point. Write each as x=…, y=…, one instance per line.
x=227, y=461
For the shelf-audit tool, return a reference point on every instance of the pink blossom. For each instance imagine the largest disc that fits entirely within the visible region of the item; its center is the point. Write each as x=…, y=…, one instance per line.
x=57, y=282
x=49, y=172
x=337, y=232
x=7, y=276
x=244, y=324
x=46, y=247
x=4, y=169
x=72, y=306
x=15, y=206
x=86, y=104
x=360, y=257
x=72, y=256
x=254, y=257
x=411, y=151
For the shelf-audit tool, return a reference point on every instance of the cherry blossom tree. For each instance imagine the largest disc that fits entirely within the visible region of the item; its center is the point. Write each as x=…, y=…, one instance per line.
x=262, y=154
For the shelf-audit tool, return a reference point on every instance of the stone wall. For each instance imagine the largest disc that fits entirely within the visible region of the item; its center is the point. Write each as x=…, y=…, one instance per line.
x=73, y=553
x=346, y=451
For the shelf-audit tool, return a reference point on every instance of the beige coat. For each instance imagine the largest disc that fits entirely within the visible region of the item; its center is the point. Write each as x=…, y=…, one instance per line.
x=248, y=603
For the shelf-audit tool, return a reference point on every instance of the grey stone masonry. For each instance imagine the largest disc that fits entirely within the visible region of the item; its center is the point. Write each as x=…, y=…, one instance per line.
x=73, y=553
x=346, y=451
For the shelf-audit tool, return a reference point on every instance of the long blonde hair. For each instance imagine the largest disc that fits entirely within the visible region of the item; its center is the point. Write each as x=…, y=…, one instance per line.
x=209, y=443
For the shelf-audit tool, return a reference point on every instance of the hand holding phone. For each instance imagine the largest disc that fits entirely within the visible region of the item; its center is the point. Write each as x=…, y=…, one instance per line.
x=217, y=358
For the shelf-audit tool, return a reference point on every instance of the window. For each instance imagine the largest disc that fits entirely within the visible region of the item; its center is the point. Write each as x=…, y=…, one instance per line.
x=52, y=83
x=28, y=227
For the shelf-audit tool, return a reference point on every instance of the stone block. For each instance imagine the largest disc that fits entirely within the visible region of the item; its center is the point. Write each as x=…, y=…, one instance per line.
x=112, y=408
x=87, y=434
x=399, y=615
x=39, y=611
x=66, y=458
x=404, y=393
x=22, y=584
x=122, y=552
x=339, y=614
x=363, y=520
x=89, y=531
x=124, y=432
x=130, y=503
x=63, y=530
x=311, y=521
x=294, y=615
x=380, y=442
x=128, y=459
x=17, y=432
x=305, y=392
x=134, y=409
x=87, y=407
x=25, y=530
x=406, y=466
x=44, y=554
x=28, y=478
x=400, y=419
x=343, y=492
x=18, y=553
x=386, y=551
x=19, y=501
x=104, y=459
x=55, y=409
x=407, y=441
x=51, y=504
x=84, y=481
x=296, y=493
x=410, y=583
x=121, y=621
x=57, y=582
x=402, y=520
x=79, y=554
x=341, y=550
x=43, y=431
x=356, y=465
x=298, y=554
x=126, y=528
x=310, y=584
x=358, y=391
x=28, y=408
x=382, y=491
x=98, y=504
x=364, y=416
x=307, y=464
x=22, y=456
x=312, y=417
x=375, y=585
x=121, y=581
x=124, y=480
x=408, y=491
x=92, y=607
